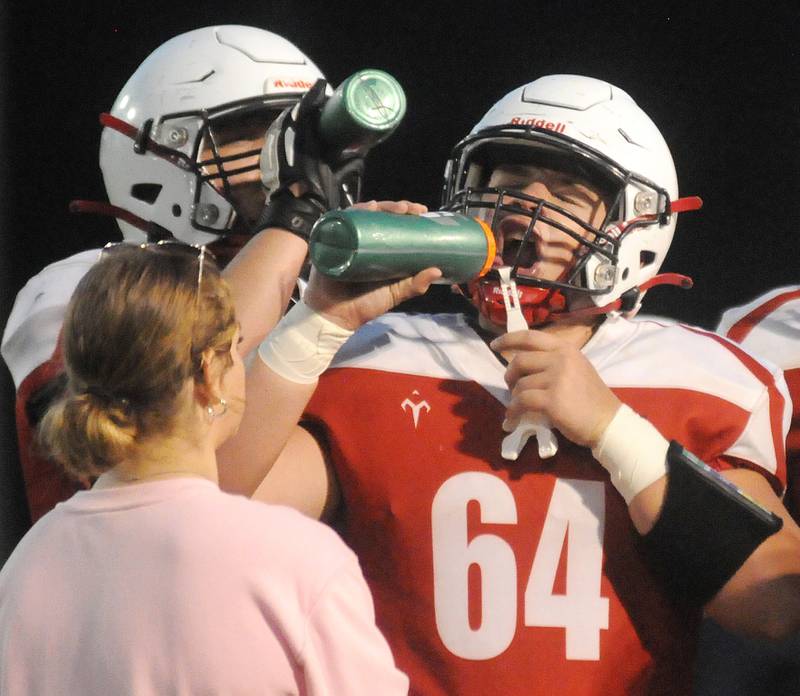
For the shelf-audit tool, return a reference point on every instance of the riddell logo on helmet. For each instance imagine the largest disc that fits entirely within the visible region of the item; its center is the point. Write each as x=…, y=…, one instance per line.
x=497, y=290
x=538, y=123
x=292, y=84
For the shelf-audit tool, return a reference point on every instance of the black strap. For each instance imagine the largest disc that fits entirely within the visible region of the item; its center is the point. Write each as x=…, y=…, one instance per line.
x=296, y=215
x=706, y=530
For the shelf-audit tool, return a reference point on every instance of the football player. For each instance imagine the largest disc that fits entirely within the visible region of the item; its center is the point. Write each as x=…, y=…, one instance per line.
x=769, y=326
x=497, y=566
x=729, y=663
x=179, y=155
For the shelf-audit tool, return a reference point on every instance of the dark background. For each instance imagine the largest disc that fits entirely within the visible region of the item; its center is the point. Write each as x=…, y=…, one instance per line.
x=719, y=79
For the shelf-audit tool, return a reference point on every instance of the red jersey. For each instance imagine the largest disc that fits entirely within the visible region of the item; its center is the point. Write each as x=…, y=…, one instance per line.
x=769, y=327
x=498, y=577
x=31, y=350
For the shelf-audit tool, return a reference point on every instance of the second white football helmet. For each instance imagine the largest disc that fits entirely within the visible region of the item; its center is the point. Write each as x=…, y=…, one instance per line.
x=168, y=114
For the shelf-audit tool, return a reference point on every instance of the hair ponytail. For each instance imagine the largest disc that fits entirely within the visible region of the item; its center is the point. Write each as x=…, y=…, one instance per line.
x=88, y=434
x=135, y=331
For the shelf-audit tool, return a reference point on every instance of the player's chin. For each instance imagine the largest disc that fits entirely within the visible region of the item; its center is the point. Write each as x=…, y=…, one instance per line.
x=228, y=245
x=533, y=271
x=249, y=199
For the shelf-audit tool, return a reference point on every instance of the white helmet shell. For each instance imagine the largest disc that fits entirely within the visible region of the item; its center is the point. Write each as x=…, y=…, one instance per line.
x=590, y=116
x=210, y=71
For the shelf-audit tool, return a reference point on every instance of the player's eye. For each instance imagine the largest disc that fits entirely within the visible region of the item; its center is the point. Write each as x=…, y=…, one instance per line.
x=567, y=197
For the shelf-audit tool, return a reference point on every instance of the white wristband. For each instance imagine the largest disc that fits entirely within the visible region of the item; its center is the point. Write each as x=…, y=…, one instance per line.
x=633, y=452
x=302, y=345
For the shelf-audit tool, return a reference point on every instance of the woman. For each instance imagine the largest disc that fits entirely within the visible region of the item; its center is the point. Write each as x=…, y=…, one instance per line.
x=155, y=581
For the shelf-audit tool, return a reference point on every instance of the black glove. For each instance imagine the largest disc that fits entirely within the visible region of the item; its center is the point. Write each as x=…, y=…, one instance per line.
x=294, y=153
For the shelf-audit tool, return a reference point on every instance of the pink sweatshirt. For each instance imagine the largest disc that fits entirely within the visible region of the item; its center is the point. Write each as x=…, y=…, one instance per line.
x=174, y=587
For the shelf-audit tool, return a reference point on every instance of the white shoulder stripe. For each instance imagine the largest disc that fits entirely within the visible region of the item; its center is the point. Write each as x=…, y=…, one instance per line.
x=626, y=353
x=647, y=354
x=734, y=314
x=440, y=346
x=776, y=336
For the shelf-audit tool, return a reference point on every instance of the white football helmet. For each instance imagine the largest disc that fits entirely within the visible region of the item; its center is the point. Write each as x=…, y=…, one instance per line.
x=595, y=130
x=166, y=114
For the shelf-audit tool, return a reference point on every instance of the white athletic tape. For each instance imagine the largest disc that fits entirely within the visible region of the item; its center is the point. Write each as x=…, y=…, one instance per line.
x=633, y=452
x=302, y=345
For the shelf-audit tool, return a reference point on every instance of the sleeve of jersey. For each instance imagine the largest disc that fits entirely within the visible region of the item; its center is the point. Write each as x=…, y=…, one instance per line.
x=29, y=336
x=753, y=438
x=344, y=652
x=761, y=445
x=32, y=329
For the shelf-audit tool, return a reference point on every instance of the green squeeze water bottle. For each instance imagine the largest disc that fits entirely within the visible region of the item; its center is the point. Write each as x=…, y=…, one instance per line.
x=365, y=245
x=363, y=111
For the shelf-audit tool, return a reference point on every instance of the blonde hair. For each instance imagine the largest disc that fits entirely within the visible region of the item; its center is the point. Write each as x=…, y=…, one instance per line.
x=136, y=329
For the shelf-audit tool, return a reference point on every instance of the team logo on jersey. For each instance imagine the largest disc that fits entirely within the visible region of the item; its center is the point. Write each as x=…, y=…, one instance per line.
x=415, y=407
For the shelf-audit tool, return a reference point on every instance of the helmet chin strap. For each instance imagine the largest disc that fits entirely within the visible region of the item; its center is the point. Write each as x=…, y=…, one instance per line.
x=529, y=424
x=629, y=299
x=542, y=305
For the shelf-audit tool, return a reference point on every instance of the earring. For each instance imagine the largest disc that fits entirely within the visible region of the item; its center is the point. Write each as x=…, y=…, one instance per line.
x=223, y=406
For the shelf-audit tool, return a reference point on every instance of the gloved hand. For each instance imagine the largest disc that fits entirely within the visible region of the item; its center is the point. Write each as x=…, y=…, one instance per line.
x=304, y=178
